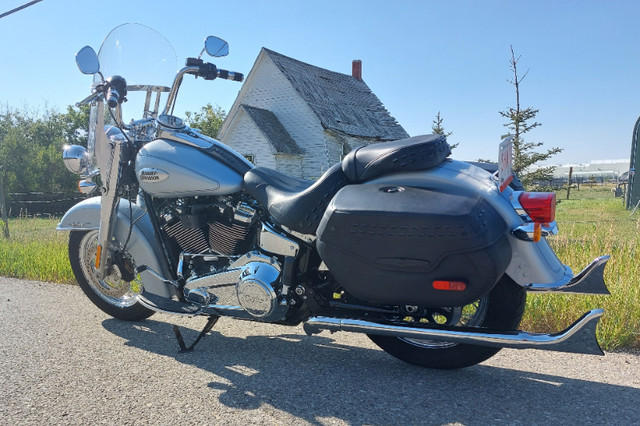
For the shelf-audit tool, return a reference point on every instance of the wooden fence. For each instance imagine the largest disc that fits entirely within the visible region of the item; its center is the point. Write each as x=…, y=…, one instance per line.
x=41, y=204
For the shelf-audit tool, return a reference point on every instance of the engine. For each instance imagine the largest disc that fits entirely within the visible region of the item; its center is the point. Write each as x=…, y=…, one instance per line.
x=216, y=240
x=223, y=226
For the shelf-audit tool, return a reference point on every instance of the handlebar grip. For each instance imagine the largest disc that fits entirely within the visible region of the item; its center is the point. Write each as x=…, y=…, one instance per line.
x=207, y=70
x=230, y=75
x=116, y=90
x=113, y=97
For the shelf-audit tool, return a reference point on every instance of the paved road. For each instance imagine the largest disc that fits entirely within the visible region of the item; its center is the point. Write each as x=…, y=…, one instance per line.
x=65, y=362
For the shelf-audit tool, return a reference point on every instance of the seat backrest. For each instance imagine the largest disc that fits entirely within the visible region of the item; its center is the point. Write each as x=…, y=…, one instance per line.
x=416, y=153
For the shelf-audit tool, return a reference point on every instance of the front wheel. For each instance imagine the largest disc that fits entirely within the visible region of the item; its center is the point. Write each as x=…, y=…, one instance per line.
x=501, y=309
x=112, y=295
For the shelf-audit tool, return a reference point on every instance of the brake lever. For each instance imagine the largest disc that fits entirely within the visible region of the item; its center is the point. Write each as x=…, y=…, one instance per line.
x=92, y=97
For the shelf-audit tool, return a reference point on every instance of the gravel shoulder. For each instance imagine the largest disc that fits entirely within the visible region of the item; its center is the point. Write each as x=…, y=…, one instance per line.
x=65, y=362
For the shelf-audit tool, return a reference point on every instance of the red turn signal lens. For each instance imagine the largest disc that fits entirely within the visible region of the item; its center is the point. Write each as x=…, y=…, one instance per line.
x=449, y=285
x=540, y=206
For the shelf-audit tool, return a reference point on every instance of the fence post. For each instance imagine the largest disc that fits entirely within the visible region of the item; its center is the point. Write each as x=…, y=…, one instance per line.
x=569, y=185
x=3, y=205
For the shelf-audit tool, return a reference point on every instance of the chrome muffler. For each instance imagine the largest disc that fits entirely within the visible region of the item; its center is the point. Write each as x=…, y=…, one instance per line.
x=580, y=337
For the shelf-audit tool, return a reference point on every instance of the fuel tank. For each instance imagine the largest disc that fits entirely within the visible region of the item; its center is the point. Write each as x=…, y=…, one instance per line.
x=168, y=169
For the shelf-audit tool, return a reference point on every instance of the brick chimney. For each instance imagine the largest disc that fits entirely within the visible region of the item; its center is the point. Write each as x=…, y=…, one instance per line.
x=356, y=69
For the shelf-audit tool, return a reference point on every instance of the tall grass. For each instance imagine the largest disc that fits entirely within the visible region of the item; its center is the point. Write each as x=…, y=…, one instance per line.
x=592, y=223
x=35, y=251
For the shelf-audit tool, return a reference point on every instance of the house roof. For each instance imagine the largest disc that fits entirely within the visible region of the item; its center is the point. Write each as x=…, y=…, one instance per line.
x=273, y=130
x=342, y=103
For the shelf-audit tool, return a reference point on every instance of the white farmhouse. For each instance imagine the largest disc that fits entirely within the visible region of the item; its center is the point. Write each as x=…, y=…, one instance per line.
x=300, y=119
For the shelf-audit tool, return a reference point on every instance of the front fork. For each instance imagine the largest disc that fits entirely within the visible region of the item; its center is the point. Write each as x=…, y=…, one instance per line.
x=109, y=156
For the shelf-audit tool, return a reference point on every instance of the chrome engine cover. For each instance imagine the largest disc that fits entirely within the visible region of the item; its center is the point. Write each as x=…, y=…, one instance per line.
x=257, y=291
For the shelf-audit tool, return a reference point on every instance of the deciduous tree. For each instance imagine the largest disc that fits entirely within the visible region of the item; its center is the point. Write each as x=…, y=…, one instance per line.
x=208, y=120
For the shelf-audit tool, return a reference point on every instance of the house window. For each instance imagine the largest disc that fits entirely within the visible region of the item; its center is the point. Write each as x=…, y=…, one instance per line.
x=251, y=158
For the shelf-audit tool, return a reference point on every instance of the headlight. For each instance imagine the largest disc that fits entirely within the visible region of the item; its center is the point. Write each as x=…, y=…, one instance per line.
x=76, y=159
x=114, y=134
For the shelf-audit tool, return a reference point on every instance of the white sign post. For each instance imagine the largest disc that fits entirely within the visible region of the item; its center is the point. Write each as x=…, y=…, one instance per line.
x=505, y=160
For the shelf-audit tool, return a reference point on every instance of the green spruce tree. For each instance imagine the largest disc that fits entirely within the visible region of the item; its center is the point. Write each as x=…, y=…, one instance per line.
x=522, y=121
x=438, y=129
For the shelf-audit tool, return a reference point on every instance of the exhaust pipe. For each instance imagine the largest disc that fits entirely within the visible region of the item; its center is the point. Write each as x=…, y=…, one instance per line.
x=580, y=337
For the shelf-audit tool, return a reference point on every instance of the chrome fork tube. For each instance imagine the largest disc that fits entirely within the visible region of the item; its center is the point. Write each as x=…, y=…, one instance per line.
x=109, y=163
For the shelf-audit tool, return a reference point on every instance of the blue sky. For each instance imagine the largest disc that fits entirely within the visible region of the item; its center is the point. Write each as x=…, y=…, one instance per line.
x=419, y=57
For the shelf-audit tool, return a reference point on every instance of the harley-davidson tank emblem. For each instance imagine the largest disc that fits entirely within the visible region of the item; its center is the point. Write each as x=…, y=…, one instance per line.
x=152, y=175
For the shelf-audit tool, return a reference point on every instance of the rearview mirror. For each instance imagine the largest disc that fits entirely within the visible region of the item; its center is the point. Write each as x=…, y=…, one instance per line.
x=87, y=60
x=216, y=47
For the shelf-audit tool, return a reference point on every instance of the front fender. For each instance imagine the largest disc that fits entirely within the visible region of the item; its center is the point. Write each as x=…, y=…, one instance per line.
x=143, y=245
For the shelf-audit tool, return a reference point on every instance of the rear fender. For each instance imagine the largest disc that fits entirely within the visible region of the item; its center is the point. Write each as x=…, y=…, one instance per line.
x=142, y=245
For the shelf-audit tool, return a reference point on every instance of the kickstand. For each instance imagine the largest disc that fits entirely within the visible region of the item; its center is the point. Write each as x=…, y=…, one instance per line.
x=207, y=328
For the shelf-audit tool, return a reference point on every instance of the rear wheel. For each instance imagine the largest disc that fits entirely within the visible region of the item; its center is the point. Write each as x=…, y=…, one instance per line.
x=112, y=294
x=501, y=309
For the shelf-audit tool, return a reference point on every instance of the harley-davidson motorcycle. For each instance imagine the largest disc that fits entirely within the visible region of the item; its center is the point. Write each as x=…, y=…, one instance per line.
x=430, y=257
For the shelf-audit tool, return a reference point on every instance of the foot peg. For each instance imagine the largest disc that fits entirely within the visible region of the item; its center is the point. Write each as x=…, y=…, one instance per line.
x=200, y=296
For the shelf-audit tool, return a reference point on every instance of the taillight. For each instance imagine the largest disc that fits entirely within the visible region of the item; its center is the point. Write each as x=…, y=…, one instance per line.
x=540, y=206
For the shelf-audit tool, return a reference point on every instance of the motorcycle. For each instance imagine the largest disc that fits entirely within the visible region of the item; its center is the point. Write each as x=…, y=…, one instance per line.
x=431, y=257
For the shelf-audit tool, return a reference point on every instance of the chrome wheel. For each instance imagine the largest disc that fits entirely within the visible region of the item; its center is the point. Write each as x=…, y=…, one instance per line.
x=114, y=295
x=472, y=315
x=501, y=309
x=112, y=289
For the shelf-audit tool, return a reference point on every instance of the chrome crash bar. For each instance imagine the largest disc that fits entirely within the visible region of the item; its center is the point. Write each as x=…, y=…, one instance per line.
x=580, y=337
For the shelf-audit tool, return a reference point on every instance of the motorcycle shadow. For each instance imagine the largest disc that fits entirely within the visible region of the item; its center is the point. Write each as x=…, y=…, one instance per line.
x=321, y=377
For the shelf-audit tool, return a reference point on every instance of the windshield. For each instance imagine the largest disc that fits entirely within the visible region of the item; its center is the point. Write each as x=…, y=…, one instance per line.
x=139, y=54
x=144, y=58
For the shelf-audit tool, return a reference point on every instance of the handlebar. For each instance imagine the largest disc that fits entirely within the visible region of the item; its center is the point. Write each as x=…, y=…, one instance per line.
x=209, y=71
x=92, y=97
x=197, y=67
